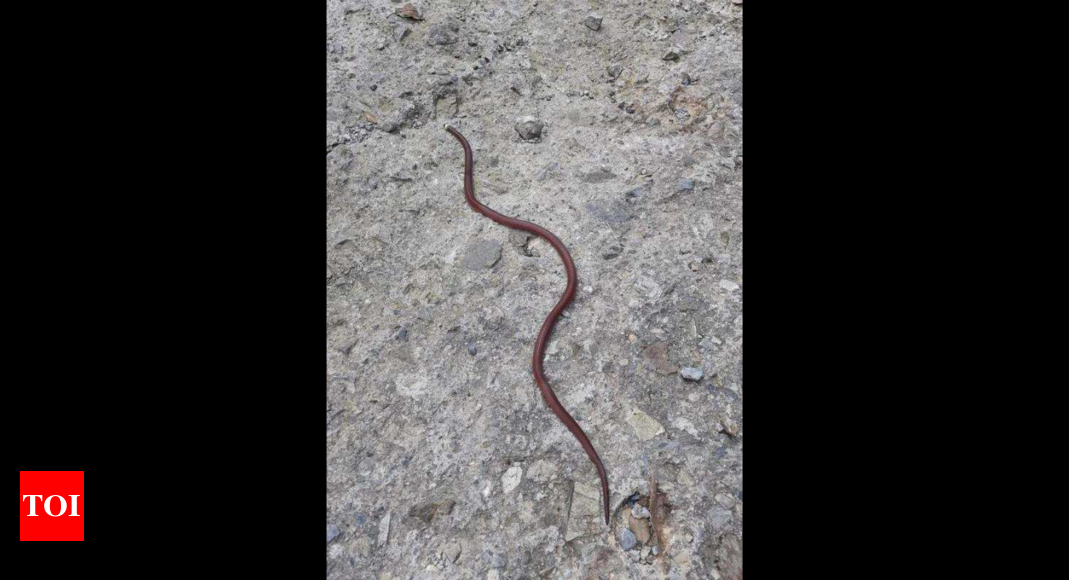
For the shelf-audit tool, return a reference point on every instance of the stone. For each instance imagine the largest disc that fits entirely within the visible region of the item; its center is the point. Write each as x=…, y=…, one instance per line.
x=730, y=426
x=428, y=511
x=611, y=251
x=332, y=532
x=512, y=478
x=656, y=356
x=691, y=373
x=640, y=511
x=409, y=11
x=347, y=347
x=452, y=551
x=639, y=527
x=645, y=427
x=685, y=185
x=627, y=540
x=481, y=255
x=729, y=285
x=529, y=129
x=443, y=34
x=384, y=530
x=401, y=117
x=592, y=22
x=685, y=425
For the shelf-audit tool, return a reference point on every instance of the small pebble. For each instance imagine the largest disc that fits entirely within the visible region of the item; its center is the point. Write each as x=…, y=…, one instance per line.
x=384, y=530
x=332, y=532
x=691, y=373
x=409, y=11
x=640, y=511
x=443, y=34
x=593, y=22
x=530, y=129
x=348, y=346
x=471, y=348
x=512, y=478
x=402, y=335
x=685, y=185
x=428, y=511
x=483, y=254
x=627, y=540
x=611, y=251
x=452, y=552
x=671, y=55
x=686, y=79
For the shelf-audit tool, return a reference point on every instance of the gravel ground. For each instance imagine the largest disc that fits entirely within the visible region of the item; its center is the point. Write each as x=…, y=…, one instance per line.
x=616, y=125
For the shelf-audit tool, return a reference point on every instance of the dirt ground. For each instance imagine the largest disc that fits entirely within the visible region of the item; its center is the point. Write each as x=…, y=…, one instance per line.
x=615, y=125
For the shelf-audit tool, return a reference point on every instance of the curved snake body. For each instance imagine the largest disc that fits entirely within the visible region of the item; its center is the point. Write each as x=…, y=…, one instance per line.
x=551, y=320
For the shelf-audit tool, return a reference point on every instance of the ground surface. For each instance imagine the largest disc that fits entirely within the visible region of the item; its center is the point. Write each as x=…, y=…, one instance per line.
x=624, y=138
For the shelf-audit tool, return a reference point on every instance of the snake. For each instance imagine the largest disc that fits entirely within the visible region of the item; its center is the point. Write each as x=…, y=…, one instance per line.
x=547, y=326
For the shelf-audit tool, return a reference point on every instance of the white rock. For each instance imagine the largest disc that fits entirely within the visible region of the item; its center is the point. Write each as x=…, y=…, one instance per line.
x=645, y=427
x=691, y=373
x=384, y=530
x=684, y=424
x=512, y=478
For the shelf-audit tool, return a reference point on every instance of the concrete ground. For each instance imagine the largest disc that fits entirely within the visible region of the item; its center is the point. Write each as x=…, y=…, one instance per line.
x=617, y=126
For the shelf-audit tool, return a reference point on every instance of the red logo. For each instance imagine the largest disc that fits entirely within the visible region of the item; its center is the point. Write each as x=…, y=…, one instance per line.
x=53, y=506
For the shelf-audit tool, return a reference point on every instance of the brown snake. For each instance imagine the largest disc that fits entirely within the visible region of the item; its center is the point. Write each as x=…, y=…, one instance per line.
x=551, y=320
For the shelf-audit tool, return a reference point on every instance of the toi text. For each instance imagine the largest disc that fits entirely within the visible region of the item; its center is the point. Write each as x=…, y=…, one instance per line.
x=48, y=505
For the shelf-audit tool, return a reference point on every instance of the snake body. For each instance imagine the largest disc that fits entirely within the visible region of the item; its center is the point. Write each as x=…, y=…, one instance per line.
x=547, y=326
